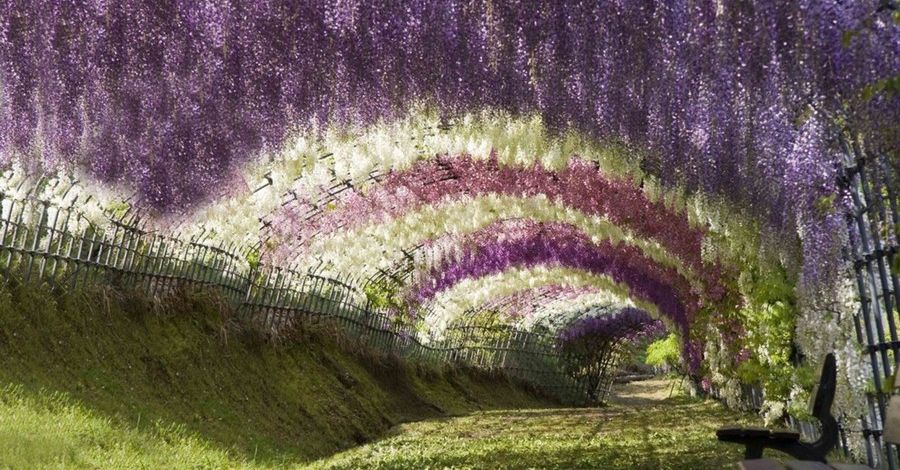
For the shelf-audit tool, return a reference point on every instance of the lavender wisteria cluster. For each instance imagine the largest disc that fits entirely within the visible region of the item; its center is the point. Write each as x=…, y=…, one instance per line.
x=560, y=244
x=734, y=98
x=629, y=324
x=579, y=186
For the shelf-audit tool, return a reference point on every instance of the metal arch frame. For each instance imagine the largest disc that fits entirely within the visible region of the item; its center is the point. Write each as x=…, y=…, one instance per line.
x=396, y=275
x=607, y=354
x=331, y=194
x=272, y=297
x=874, y=230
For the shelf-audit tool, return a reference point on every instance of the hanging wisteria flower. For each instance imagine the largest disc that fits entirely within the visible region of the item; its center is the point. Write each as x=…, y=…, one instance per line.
x=625, y=324
x=560, y=245
x=656, y=140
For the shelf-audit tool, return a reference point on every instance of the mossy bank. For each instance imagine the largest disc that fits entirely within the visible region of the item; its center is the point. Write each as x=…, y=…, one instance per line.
x=106, y=378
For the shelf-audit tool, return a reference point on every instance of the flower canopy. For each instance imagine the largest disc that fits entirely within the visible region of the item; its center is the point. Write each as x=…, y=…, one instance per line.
x=674, y=159
x=626, y=323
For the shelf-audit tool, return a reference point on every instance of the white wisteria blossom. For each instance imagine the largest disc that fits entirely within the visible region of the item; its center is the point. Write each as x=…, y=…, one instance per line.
x=560, y=307
x=473, y=292
x=378, y=245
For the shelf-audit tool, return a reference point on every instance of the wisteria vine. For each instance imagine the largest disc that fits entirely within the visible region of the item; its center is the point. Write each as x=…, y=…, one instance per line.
x=741, y=101
x=627, y=323
x=562, y=246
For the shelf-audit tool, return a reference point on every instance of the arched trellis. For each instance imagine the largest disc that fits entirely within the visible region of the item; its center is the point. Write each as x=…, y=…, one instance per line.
x=41, y=239
x=432, y=182
x=326, y=197
x=592, y=343
x=401, y=272
x=400, y=275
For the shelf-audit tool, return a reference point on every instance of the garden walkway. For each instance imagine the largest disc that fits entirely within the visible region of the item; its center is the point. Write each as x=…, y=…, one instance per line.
x=642, y=428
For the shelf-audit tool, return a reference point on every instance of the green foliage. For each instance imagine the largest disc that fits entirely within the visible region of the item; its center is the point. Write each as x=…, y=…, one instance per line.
x=890, y=86
x=825, y=204
x=769, y=319
x=761, y=318
x=253, y=258
x=487, y=319
x=847, y=37
x=384, y=294
x=378, y=295
x=118, y=208
x=635, y=358
x=664, y=352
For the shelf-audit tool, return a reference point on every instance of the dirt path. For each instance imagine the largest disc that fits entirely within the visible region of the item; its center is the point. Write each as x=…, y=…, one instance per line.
x=643, y=392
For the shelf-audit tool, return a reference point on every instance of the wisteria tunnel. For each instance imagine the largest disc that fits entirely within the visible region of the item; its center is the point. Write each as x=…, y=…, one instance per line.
x=533, y=189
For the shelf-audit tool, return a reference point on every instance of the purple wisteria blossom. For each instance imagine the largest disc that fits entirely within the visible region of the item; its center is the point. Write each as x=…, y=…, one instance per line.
x=627, y=324
x=561, y=245
x=580, y=186
x=732, y=98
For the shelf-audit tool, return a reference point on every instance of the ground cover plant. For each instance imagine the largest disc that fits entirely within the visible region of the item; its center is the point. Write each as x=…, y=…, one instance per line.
x=647, y=430
x=111, y=379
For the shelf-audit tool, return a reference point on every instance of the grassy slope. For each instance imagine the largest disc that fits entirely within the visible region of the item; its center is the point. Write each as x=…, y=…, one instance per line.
x=99, y=380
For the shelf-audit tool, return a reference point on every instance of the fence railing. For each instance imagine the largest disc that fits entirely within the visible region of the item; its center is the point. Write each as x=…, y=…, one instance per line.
x=42, y=238
x=874, y=228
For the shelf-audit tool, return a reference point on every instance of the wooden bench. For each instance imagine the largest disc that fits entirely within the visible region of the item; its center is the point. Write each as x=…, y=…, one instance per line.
x=891, y=435
x=788, y=441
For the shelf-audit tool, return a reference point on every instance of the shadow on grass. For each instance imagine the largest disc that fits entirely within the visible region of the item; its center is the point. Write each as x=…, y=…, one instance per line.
x=676, y=433
x=146, y=372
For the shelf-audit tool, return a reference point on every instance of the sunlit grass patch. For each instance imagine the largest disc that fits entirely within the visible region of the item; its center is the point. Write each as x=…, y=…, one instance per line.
x=49, y=430
x=676, y=433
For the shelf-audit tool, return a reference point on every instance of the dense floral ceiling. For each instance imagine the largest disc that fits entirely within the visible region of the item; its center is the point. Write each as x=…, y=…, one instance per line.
x=678, y=159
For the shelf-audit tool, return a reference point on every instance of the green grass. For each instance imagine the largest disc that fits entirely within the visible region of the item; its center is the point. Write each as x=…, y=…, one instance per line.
x=51, y=431
x=110, y=380
x=105, y=379
x=677, y=433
